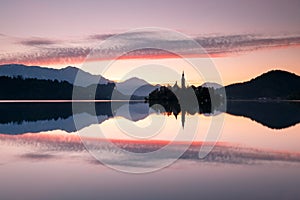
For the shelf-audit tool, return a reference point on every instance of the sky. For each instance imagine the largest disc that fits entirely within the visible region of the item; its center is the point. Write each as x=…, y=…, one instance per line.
x=242, y=39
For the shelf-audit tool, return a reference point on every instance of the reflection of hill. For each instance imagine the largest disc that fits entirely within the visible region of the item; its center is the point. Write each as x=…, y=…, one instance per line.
x=22, y=118
x=19, y=112
x=276, y=115
x=36, y=117
x=271, y=114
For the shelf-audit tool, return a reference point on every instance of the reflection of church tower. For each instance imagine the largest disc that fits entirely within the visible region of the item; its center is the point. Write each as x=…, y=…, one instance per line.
x=182, y=81
x=183, y=112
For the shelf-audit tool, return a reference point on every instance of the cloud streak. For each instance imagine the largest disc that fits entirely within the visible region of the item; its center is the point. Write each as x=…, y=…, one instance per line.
x=59, y=55
x=48, y=51
x=243, y=43
x=38, y=42
x=100, y=36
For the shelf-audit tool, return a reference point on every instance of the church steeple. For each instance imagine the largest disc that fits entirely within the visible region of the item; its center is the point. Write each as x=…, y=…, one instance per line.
x=182, y=80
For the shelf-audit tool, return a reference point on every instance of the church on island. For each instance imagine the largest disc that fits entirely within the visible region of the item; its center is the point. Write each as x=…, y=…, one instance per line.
x=168, y=97
x=176, y=87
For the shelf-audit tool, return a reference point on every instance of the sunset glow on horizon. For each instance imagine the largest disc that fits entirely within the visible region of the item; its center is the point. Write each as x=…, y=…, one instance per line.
x=242, y=39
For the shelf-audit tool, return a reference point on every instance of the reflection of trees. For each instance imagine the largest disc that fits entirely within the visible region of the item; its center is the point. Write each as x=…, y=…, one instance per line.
x=30, y=112
x=272, y=114
x=191, y=100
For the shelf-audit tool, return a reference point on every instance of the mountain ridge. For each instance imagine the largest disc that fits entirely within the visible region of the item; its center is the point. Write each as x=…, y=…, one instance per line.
x=274, y=84
x=44, y=73
x=133, y=86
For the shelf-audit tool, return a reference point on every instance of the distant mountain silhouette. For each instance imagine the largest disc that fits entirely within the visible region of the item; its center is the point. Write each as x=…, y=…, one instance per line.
x=135, y=86
x=68, y=75
x=211, y=85
x=276, y=84
x=42, y=73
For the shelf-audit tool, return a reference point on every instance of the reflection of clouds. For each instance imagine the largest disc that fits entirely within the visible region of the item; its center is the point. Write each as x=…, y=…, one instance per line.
x=47, y=146
x=37, y=156
x=45, y=142
x=54, y=51
x=220, y=154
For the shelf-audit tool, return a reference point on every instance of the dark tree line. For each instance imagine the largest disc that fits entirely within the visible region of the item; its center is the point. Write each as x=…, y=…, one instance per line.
x=18, y=88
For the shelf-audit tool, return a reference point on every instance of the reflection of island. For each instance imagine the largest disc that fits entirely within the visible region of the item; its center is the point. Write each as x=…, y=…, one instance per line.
x=275, y=115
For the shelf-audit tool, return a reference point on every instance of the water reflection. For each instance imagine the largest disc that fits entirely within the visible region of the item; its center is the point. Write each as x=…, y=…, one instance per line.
x=37, y=117
x=22, y=118
x=275, y=115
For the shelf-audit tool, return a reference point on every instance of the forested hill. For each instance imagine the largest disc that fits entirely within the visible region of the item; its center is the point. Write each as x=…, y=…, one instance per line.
x=18, y=88
x=274, y=84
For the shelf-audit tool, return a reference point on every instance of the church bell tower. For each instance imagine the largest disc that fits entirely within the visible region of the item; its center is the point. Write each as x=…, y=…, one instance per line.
x=182, y=81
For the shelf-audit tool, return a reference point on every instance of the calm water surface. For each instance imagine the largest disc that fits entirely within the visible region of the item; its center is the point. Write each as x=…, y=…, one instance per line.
x=43, y=157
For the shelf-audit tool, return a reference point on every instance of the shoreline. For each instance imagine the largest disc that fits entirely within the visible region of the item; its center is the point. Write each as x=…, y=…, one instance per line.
x=264, y=101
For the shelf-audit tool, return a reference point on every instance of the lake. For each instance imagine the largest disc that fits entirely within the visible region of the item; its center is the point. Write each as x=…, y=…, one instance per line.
x=60, y=150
